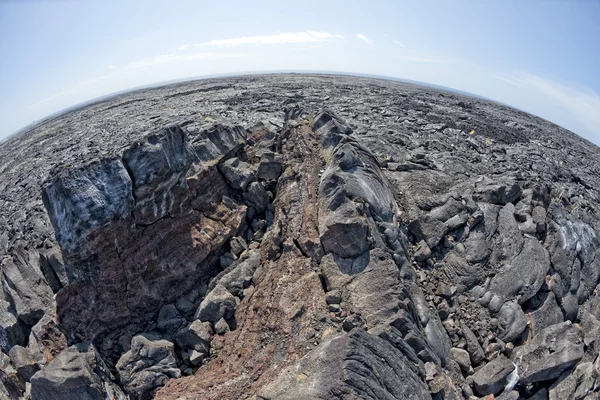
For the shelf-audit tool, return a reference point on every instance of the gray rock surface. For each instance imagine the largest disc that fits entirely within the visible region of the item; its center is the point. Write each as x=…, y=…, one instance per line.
x=576, y=385
x=158, y=168
x=240, y=277
x=147, y=365
x=197, y=336
x=551, y=352
x=512, y=321
x=238, y=173
x=492, y=378
x=217, y=304
x=473, y=347
x=462, y=358
x=76, y=373
x=354, y=365
x=23, y=362
x=462, y=211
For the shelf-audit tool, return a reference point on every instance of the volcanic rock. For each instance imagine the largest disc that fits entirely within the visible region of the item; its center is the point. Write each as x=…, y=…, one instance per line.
x=261, y=202
x=197, y=336
x=492, y=378
x=76, y=373
x=551, y=352
x=219, y=303
x=147, y=365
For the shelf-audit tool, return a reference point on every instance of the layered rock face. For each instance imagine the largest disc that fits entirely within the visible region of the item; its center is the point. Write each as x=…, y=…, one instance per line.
x=139, y=231
x=305, y=257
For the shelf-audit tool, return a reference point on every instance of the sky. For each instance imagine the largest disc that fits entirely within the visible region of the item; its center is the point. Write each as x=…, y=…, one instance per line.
x=542, y=57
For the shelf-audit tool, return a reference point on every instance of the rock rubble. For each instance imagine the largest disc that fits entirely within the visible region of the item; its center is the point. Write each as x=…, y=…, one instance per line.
x=427, y=245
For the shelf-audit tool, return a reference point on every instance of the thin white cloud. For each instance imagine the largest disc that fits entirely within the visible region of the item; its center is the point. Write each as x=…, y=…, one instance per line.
x=48, y=99
x=169, y=58
x=579, y=101
x=183, y=47
x=364, y=38
x=111, y=66
x=419, y=59
x=399, y=43
x=280, y=38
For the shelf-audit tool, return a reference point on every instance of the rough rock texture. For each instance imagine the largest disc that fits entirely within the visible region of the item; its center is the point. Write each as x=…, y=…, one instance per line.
x=354, y=365
x=298, y=235
x=122, y=267
x=147, y=365
x=77, y=373
x=552, y=351
x=493, y=377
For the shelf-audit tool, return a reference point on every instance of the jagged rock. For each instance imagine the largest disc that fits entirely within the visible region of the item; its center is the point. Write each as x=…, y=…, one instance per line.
x=473, y=347
x=331, y=126
x=217, y=304
x=24, y=288
x=238, y=245
x=492, y=378
x=270, y=165
x=169, y=320
x=457, y=221
x=440, y=384
x=222, y=327
x=46, y=339
x=333, y=297
x=226, y=260
x=257, y=196
x=512, y=321
x=12, y=384
x=217, y=141
x=428, y=229
x=422, y=252
x=548, y=314
x=12, y=330
x=147, y=365
x=76, y=373
x=158, y=168
x=551, y=352
x=124, y=270
x=462, y=358
x=449, y=209
x=53, y=267
x=238, y=173
x=355, y=364
x=500, y=193
x=574, y=249
x=23, y=362
x=344, y=232
x=197, y=357
x=240, y=277
x=197, y=336
x=524, y=275
x=574, y=385
x=81, y=200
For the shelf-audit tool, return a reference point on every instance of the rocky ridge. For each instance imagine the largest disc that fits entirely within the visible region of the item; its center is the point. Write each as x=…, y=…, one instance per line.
x=303, y=257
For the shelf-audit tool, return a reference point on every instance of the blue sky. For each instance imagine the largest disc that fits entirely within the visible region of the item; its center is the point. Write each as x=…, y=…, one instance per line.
x=540, y=56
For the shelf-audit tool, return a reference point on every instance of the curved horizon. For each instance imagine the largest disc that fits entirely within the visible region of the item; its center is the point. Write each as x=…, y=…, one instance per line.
x=538, y=57
x=109, y=96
